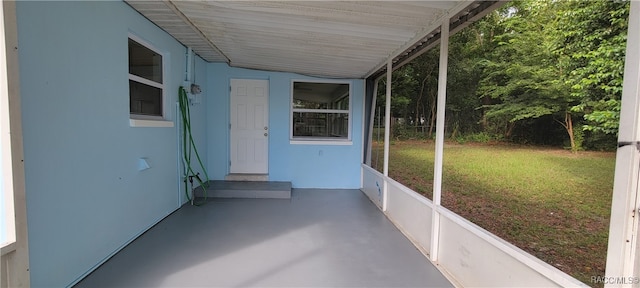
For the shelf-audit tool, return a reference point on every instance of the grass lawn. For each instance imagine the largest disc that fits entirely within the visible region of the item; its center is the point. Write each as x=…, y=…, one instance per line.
x=551, y=203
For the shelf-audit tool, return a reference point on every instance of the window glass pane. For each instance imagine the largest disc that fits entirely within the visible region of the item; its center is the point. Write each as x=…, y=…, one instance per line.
x=144, y=62
x=302, y=104
x=145, y=99
x=307, y=95
x=330, y=125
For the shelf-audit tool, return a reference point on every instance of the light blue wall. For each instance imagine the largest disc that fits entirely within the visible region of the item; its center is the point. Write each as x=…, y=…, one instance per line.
x=198, y=123
x=85, y=195
x=306, y=166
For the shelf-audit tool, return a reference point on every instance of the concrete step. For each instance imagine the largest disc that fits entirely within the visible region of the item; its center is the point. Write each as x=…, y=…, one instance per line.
x=246, y=189
x=247, y=177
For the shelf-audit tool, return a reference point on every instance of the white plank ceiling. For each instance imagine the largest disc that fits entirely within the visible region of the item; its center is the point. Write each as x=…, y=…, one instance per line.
x=344, y=39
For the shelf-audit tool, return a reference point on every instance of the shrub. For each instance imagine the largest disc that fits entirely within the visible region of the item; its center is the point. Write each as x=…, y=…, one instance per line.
x=480, y=137
x=407, y=132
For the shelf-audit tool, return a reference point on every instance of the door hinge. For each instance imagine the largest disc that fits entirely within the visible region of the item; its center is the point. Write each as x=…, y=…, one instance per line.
x=229, y=126
x=230, y=89
x=229, y=163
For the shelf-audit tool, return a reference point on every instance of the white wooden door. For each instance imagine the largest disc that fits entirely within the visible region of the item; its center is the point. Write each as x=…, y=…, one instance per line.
x=249, y=126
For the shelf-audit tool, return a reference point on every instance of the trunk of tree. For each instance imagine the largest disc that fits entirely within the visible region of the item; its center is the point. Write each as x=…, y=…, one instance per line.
x=419, y=101
x=509, y=130
x=484, y=122
x=568, y=124
x=392, y=123
x=424, y=114
x=433, y=114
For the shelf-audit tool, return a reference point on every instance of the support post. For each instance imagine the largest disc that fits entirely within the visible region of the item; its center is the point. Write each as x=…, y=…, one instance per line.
x=437, y=177
x=387, y=120
x=14, y=262
x=387, y=132
x=622, y=259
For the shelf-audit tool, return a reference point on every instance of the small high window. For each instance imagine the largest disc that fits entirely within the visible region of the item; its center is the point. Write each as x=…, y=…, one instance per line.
x=146, y=88
x=320, y=111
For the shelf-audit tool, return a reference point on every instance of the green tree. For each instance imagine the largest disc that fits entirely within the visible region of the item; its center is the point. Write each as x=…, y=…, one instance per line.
x=521, y=73
x=466, y=112
x=424, y=103
x=591, y=42
x=520, y=68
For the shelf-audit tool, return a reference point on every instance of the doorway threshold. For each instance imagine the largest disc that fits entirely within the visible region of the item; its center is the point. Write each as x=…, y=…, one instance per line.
x=246, y=177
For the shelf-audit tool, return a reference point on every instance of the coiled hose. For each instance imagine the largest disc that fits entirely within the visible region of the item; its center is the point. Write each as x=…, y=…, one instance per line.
x=189, y=146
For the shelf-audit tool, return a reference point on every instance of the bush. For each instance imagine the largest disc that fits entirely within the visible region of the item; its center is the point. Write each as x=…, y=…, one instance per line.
x=597, y=141
x=406, y=132
x=480, y=137
x=578, y=138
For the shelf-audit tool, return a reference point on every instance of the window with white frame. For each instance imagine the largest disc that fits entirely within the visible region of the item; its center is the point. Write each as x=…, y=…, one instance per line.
x=146, y=86
x=320, y=111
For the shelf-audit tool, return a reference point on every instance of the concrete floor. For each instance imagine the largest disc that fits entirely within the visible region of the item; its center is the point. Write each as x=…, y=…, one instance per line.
x=318, y=238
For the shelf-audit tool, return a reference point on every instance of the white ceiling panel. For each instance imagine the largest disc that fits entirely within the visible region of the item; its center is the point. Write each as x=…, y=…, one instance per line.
x=340, y=39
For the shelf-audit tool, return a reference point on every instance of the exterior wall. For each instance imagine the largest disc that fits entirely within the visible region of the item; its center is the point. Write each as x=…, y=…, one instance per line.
x=411, y=212
x=477, y=258
x=408, y=210
x=198, y=124
x=306, y=166
x=373, y=185
x=468, y=254
x=85, y=195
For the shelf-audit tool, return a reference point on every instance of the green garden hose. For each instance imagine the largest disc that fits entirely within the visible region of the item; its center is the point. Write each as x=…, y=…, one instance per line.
x=189, y=146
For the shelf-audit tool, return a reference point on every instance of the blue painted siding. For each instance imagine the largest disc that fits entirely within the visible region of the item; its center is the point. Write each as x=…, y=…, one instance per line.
x=85, y=196
x=198, y=123
x=307, y=166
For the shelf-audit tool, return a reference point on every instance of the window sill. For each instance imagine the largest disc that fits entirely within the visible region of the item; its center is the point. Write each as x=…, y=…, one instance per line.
x=321, y=142
x=7, y=248
x=150, y=123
